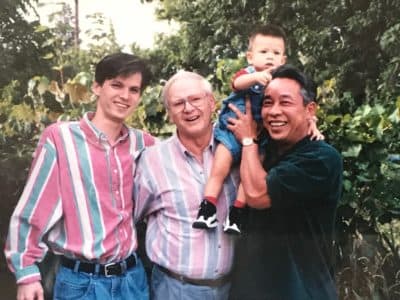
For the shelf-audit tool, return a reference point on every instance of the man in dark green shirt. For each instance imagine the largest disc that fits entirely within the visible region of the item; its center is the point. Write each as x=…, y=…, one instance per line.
x=286, y=252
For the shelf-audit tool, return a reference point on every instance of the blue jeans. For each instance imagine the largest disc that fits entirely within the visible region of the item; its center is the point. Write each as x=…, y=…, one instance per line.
x=222, y=134
x=164, y=287
x=79, y=285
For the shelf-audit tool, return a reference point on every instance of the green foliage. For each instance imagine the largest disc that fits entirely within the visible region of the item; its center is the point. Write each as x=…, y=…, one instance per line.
x=368, y=251
x=20, y=49
x=209, y=31
x=62, y=53
x=150, y=115
x=352, y=41
x=226, y=68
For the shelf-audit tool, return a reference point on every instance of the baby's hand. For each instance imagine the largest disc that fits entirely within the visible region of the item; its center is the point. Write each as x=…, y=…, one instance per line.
x=313, y=131
x=262, y=77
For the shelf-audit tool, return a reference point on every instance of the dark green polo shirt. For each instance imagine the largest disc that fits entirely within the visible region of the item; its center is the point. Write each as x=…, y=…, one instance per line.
x=286, y=251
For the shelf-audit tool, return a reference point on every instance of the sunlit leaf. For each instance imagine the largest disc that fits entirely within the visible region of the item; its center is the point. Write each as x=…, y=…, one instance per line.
x=352, y=151
x=77, y=92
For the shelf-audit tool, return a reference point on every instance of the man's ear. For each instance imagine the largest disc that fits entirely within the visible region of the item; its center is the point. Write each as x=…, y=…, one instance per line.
x=96, y=88
x=170, y=118
x=311, y=109
x=212, y=102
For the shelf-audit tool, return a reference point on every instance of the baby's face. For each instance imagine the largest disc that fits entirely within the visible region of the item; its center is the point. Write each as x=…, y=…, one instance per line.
x=266, y=53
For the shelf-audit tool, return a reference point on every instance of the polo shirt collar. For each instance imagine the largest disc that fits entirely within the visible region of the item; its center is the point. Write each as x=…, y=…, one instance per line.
x=211, y=144
x=95, y=134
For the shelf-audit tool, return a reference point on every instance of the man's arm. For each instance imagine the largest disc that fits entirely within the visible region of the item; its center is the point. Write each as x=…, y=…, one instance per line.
x=252, y=174
x=142, y=194
x=38, y=209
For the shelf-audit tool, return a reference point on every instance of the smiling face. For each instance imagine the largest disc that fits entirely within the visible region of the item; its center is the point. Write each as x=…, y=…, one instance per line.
x=283, y=112
x=190, y=107
x=266, y=52
x=117, y=97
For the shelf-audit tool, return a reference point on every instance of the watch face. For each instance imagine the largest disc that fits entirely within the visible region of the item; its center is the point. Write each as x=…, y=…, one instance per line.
x=247, y=141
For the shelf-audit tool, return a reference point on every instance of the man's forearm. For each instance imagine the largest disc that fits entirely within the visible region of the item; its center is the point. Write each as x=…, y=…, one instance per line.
x=253, y=178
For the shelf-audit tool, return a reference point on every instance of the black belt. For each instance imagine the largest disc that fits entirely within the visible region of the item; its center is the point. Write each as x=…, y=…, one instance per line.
x=111, y=269
x=205, y=282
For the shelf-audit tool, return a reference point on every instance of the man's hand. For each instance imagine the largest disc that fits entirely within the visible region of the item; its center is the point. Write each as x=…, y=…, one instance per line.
x=244, y=126
x=252, y=173
x=30, y=291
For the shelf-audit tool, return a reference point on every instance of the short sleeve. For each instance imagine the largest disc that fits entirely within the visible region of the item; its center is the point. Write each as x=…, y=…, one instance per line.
x=304, y=177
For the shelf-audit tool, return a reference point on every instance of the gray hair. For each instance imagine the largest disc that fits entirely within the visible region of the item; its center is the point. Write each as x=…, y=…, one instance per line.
x=182, y=74
x=307, y=97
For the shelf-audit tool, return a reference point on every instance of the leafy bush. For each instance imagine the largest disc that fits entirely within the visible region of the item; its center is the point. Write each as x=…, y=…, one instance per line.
x=368, y=257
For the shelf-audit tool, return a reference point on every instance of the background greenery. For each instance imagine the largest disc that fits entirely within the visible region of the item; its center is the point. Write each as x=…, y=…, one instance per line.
x=350, y=47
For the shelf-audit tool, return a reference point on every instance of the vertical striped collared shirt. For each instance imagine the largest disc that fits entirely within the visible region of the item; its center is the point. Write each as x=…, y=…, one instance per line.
x=77, y=200
x=168, y=188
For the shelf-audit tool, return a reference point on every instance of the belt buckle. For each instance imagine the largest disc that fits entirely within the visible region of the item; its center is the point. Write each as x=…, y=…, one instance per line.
x=106, y=266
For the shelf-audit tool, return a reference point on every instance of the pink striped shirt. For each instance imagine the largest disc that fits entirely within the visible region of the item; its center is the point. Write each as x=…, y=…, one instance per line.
x=168, y=188
x=77, y=200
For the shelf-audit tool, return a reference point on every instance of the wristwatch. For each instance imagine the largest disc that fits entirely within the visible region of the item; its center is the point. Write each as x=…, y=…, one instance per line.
x=247, y=141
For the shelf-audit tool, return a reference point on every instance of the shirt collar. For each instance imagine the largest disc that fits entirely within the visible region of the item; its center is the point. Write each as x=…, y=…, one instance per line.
x=211, y=145
x=96, y=134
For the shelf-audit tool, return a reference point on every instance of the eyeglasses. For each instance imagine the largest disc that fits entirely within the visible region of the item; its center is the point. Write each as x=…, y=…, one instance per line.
x=196, y=101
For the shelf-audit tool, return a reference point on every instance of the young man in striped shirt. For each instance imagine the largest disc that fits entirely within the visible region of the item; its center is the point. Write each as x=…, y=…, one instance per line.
x=77, y=201
x=168, y=187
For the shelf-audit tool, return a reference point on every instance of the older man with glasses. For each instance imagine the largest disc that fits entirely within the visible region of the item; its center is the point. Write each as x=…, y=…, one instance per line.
x=188, y=263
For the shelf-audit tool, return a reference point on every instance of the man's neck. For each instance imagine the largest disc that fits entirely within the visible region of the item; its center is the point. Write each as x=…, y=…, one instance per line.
x=196, y=146
x=283, y=147
x=110, y=128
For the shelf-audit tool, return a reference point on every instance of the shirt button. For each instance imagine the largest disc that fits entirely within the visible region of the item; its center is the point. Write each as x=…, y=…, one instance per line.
x=115, y=171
